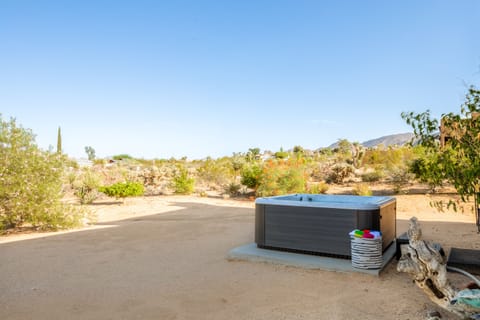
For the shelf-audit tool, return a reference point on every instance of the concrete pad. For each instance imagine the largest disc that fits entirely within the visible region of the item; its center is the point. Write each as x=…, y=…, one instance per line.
x=251, y=252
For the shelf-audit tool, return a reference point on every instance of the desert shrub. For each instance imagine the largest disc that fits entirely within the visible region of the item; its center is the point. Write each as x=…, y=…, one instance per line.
x=250, y=175
x=362, y=189
x=400, y=178
x=282, y=177
x=281, y=154
x=317, y=188
x=71, y=177
x=31, y=183
x=373, y=176
x=86, y=186
x=150, y=176
x=182, y=183
x=122, y=157
x=237, y=163
x=233, y=189
x=215, y=172
x=388, y=158
x=71, y=163
x=339, y=172
x=123, y=189
x=425, y=169
x=99, y=162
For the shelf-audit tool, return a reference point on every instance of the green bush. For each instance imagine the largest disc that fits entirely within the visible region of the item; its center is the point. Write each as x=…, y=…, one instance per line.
x=400, y=179
x=281, y=154
x=233, y=189
x=122, y=157
x=282, y=177
x=373, y=176
x=31, y=183
x=182, y=183
x=250, y=175
x=339, y=172
x=216, y=172
x=388, y=158
x=362, y=189
x=317, y=188
x=425, y=169
x=123, y=189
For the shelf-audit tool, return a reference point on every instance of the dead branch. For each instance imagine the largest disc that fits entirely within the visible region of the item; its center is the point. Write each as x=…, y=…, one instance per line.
x=428, y=268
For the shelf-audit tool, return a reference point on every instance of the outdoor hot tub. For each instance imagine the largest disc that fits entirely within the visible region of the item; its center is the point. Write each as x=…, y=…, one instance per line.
x=319, y=224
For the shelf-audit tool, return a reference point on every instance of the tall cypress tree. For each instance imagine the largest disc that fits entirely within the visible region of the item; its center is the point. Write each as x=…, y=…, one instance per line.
x=59, y=141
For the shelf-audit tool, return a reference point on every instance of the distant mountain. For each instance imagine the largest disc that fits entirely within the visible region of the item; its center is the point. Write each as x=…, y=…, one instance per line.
x=390, y=140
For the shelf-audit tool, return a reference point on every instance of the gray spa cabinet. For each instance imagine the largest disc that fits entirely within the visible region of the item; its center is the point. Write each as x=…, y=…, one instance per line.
x=319, y=224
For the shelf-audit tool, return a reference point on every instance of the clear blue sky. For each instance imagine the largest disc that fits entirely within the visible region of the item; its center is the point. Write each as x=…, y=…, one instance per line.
x=157, y=79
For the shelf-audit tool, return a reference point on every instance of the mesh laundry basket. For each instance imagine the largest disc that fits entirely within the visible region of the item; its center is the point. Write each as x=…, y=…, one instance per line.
x=366, y=253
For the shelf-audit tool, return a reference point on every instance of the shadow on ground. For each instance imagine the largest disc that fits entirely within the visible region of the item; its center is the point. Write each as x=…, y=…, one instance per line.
x=172, y=266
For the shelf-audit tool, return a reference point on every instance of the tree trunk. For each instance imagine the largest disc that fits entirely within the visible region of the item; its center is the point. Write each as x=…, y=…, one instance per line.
x=428, y=268
x=477, y=211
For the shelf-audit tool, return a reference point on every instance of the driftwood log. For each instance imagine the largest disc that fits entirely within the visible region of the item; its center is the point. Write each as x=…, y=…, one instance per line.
x=428, y=268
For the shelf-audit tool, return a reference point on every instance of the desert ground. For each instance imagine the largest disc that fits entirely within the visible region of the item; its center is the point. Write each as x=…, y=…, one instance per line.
x=164, y=257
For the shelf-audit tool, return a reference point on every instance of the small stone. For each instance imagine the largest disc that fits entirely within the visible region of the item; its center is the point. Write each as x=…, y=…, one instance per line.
x=434, y=315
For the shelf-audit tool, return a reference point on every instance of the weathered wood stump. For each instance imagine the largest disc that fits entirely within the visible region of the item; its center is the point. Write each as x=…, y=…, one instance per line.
x=428, y=268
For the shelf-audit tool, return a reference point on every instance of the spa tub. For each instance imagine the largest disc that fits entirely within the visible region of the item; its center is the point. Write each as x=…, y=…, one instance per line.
x=319, y=224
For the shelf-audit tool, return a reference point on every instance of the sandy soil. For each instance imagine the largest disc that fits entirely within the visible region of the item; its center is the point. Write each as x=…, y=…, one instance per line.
x=164, y=258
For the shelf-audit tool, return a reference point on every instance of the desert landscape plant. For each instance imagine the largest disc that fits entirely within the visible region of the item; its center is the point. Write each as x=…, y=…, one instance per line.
x=122, y=156
x=282, y=177
x=281, y=154
x=90, y=153
x=237, y=161
x=215, y=172
x=372, y=176
x=250, y=175
x=400, y=179
x=253, y=154
x=317, y=188
x=362, y=189
x=457, y=159
x=182, y=182
x=339, y=172
x=123, y=189
x=86, y=186
x=31, y=183
x=59, y=140
x=233, y=189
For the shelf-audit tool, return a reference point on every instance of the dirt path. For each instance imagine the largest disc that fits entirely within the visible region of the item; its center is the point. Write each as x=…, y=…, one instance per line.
x=164, y=258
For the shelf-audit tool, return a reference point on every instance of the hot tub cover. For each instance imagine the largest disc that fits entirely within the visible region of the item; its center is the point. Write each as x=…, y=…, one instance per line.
x=328, y=201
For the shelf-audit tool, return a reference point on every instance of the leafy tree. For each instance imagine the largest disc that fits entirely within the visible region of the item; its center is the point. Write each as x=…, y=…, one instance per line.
x=425, y=168
x=31, y=182
x=344, y=148
x=299, y=150
x=253, y=154
x=251, y=175
x=90, y=153
x=458, y=160
x=59, y=141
